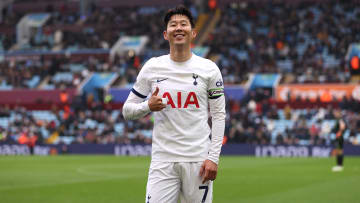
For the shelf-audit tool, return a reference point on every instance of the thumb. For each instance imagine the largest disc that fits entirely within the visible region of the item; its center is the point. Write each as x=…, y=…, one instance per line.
x=155, y=93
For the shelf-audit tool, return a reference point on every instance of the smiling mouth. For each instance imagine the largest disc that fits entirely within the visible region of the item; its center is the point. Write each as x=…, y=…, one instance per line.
x=179, y=35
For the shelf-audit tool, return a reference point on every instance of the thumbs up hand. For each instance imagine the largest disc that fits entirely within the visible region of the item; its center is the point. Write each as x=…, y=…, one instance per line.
x=155, y=102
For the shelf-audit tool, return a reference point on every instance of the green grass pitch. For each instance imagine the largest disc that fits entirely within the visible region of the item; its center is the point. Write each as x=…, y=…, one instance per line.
x=108, y=179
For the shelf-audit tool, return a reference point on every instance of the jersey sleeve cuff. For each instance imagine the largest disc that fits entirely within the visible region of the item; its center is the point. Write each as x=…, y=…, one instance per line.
x=138, y=93
x=145, y=106
x=214, y=159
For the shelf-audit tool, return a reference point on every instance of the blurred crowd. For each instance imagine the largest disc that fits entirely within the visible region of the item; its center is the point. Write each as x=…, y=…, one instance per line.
x=99, y=28
x=306, y=42
x=258, y=120
x=63, y=72
x=254, y=120
x=40, y=73
x=77, y=123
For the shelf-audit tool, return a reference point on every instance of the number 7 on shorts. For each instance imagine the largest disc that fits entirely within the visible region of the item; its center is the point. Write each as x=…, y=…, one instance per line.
x=206, y=188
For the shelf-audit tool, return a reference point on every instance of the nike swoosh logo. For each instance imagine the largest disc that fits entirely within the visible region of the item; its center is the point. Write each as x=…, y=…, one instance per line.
x=158, y=80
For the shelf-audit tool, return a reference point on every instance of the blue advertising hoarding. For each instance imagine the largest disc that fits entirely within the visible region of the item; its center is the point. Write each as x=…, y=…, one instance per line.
x=145, y=150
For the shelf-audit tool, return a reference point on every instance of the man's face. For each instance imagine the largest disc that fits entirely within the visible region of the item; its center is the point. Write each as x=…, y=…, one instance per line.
x=179, y=31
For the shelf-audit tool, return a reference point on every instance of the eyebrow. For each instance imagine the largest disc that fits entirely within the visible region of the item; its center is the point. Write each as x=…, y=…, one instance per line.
x=181, y=21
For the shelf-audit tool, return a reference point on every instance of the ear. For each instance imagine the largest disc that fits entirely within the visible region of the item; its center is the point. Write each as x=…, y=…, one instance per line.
x=193, y=34
x=165, y=35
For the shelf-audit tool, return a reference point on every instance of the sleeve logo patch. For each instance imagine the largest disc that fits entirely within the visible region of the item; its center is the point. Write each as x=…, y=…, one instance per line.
x=219, y=83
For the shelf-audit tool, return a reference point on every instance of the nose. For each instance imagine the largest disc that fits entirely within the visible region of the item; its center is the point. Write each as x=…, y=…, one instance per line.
x=178, y=27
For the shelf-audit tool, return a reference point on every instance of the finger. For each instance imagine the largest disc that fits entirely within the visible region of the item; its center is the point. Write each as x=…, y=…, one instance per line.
x=160, y=104
x=159, y=107
x=202, y=170
x=156, y=92
x=206, y=176
x=213, y=175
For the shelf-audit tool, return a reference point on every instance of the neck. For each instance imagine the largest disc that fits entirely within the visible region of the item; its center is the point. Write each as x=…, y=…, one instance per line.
x=180, y=53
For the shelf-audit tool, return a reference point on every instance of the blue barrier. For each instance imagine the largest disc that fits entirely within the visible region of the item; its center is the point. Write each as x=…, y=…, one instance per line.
x=145, y=150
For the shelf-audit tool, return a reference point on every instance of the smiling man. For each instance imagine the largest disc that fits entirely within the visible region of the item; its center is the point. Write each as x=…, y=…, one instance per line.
x=182, y=87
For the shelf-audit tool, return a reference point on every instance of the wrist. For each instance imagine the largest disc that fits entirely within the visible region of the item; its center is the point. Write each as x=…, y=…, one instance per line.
x=213, y=160
x=146, y=106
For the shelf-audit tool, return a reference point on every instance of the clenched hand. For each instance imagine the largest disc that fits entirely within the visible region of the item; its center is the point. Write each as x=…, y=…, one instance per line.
x=155, y=102
x=208, y=170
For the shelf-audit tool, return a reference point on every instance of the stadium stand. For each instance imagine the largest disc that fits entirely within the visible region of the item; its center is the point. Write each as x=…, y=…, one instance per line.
x=308, y=40
x=299, y=40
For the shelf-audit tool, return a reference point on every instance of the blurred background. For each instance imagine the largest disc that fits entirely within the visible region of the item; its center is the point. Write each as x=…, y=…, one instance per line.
x=67, y=66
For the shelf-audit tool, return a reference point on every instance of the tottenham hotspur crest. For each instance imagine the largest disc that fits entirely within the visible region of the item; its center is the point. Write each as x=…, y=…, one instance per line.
x=195, y=77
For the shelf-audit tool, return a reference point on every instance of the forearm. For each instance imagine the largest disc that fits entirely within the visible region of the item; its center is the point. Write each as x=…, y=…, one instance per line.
x=135, y=107
x=217, y=135
x=217, y=110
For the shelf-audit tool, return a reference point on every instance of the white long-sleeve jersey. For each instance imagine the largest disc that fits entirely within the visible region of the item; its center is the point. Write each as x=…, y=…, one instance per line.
x=181, y=131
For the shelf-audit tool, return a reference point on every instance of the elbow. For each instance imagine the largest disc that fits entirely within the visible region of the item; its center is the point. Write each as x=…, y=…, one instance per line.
x=133, y=111
x=125, y=112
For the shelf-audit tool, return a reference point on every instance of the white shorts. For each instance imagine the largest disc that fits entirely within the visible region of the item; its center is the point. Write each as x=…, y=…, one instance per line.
x=169, y=181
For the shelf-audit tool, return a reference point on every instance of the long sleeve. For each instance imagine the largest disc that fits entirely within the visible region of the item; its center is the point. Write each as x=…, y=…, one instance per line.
x=217, y=112
x=135, y=107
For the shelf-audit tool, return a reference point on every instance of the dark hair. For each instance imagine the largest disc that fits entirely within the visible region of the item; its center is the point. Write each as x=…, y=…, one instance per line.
x=179, y=10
